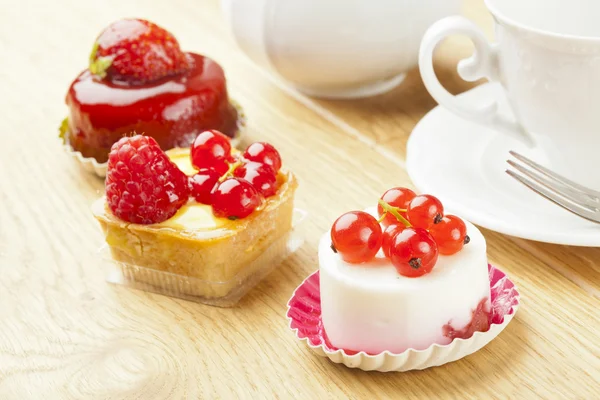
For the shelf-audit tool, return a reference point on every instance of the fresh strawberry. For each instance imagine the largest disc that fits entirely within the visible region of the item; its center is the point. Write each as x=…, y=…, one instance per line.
x=137, y=51
x=142, y=185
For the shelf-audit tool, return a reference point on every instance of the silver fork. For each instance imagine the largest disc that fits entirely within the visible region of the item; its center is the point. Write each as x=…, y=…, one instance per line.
x=572, y=196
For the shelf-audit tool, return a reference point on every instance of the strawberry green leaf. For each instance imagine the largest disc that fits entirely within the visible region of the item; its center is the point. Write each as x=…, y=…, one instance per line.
x=63, y=128
x=99, y=65
x=94, y=52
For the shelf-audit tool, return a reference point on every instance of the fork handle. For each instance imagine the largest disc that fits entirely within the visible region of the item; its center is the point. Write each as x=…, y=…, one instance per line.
x=482, y=64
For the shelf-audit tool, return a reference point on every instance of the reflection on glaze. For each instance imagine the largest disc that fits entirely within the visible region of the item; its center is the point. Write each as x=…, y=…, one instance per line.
x=91, y=92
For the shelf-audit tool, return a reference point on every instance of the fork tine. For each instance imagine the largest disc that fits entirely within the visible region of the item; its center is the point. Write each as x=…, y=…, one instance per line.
x=561, y=190
x=550, y=195
x=593, y=194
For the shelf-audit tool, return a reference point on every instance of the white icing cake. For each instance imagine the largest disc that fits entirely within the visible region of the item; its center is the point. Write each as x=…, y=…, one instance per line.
x=370, y=307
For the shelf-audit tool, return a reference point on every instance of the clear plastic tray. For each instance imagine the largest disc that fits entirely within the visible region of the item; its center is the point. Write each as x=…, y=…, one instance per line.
x=221, y=294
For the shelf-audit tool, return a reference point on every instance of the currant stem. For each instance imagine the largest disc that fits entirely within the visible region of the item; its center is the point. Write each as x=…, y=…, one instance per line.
x=382, y=217
x=230, y=170
x=395, y=211
x=333, y=248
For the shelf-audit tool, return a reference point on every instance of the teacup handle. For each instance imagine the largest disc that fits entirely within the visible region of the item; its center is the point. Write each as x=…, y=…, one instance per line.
x=482, y=64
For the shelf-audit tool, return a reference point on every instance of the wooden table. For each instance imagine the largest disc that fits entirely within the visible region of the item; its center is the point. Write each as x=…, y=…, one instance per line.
x=65, y=333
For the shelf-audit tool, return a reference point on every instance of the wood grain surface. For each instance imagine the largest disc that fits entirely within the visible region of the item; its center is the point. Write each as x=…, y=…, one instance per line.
x=67, y=334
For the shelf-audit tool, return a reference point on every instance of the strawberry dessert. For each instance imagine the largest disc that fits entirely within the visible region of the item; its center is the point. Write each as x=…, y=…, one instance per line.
x=205, y=212
x=402, y=275
x=139, y=80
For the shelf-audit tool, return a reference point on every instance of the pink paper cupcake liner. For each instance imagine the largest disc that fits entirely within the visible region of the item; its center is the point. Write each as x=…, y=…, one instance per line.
x=304, y=314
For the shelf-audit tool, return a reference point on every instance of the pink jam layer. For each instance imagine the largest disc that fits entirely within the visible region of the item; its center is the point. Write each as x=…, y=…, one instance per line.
x=305, y=310
x=480, y=322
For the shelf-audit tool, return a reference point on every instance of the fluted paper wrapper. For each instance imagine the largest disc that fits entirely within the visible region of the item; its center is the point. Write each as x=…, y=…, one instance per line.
x=304, y=314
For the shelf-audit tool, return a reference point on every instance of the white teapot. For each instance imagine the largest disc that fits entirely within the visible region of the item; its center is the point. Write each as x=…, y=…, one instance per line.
x=335, y=48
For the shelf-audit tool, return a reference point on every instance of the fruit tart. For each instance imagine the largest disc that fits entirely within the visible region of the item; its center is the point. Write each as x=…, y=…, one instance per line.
x=404, y=275
x=204, y=222
x=139, y=80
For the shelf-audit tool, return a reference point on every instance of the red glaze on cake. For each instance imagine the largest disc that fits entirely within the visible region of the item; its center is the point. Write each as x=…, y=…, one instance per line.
x=173, y=111
x=139, y=81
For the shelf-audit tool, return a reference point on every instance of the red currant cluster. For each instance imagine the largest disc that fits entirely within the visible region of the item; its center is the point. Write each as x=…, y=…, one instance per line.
x=235, y=185
x=411, y=231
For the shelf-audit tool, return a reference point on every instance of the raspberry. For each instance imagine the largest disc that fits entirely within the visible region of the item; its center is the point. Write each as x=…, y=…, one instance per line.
x=142, y=185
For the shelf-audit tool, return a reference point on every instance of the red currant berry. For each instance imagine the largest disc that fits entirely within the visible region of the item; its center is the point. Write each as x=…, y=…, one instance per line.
x=450, y=234
x=234, y=198
x=264, y=153
x=202, y=184
x=211, y=149
x=395, y=197
x=413, y=252
x=424, y=211
x=261, y=176
x=220, y=166
x=233, y=158
x=388, y=236
x=356, y=236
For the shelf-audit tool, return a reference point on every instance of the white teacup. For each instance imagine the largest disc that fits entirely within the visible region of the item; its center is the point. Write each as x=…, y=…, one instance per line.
x=335, y=48
x=547, y=58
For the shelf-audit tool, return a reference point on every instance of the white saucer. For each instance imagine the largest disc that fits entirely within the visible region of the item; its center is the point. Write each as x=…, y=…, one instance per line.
x=464, y=163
